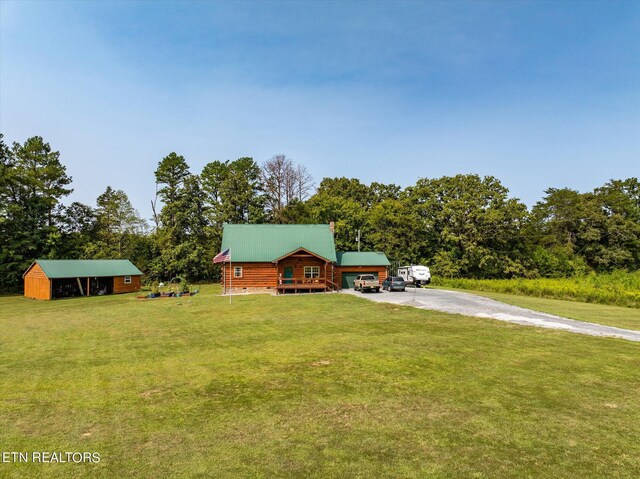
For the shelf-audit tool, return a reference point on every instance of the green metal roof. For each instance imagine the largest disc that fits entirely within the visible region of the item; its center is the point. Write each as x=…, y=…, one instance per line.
x=365, y=258
x=249, y=243
x=78, y=268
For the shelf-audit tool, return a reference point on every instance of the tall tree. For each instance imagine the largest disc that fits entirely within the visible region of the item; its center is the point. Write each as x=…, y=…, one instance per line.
x=32, y=185
x=284, y=183
x=347, y=188
x=8, y=183
x=234, y=191
x=78, y=227
x=40, y=173
x=619, y=242
x=183, y=237
x=191, y=255
x=117, y=223
x=469, y=226
x=381, y=191
x=274, y=179
x=599, y=230
x=350, y=203
x=394, y=227
x=557, y=229
x=348, y=215
x=558, y=217
x=170, y=175
x=302, y=184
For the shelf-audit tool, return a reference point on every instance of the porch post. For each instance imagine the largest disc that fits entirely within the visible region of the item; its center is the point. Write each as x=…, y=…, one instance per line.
x=325, y=276
x=333, y=275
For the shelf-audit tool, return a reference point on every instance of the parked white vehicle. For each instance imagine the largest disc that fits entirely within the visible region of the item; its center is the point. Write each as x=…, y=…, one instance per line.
x=415, y=274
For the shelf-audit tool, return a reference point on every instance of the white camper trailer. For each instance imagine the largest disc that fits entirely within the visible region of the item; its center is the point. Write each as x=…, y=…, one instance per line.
x=414, y=274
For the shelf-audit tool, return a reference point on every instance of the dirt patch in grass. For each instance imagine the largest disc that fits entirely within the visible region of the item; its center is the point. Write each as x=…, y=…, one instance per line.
x=322, y=362
x=151, y=392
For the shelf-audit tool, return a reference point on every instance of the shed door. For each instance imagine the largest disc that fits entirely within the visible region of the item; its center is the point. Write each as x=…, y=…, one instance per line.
x=347, y=278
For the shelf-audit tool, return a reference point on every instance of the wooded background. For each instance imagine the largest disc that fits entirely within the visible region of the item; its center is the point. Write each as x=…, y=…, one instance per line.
x=460, y=226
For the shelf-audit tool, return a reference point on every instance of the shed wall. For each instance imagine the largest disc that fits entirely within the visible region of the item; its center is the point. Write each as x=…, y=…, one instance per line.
x=119, y=285
x=36, y=284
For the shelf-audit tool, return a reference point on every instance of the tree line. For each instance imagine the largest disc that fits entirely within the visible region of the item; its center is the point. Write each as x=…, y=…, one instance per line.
x=460, y=226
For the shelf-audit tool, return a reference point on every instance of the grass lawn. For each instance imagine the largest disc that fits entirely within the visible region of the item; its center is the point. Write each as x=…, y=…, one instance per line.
x=326, y=386
x=618, y=316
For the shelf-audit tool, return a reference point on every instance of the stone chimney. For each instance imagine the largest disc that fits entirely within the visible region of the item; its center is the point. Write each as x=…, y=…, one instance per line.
x=332, y=227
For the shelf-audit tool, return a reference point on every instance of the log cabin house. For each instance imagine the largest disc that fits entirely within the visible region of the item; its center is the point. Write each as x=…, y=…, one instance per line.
x=53, y=279
x=292, y=258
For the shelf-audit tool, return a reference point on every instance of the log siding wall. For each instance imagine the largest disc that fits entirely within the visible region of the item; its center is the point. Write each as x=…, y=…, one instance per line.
x=254, y=275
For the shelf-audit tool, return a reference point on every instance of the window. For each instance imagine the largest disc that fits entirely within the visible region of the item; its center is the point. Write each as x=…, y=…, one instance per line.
x=127, y=280
x=312, y=271
x=237, y=272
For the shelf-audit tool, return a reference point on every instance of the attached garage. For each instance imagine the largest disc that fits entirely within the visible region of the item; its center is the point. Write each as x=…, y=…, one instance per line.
x=53, y=279
x=352, y=263
x=349, y=277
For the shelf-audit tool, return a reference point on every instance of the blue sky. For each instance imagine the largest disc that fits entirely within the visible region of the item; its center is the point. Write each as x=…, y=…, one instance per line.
x=538, y=94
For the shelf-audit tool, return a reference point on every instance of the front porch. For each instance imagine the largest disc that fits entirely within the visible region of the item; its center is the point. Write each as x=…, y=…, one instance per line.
x=303, y=285
x=303, y=271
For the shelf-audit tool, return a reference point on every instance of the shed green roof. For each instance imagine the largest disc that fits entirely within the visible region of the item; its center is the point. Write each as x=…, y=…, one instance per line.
x=365, y=258
x=79, y=268
x=253, y=243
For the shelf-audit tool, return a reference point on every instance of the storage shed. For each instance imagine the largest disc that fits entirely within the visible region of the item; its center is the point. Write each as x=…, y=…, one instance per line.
x=62, y=278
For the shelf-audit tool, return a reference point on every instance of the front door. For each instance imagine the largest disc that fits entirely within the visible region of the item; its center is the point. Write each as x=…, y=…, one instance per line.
x=288, y=274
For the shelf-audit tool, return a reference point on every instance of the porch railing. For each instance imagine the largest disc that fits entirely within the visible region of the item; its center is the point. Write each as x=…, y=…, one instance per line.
x=332, y=285
x=302, y=281
x=307, y=283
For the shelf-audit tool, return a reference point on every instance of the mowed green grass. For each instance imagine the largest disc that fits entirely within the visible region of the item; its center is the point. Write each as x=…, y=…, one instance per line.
x=618, y=316
x=313, y=386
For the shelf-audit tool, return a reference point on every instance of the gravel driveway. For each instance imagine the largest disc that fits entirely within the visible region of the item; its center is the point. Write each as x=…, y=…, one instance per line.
x=472, y=305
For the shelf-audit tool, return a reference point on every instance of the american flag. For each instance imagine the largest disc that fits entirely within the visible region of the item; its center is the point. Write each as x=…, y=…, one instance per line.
x=222, y=257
